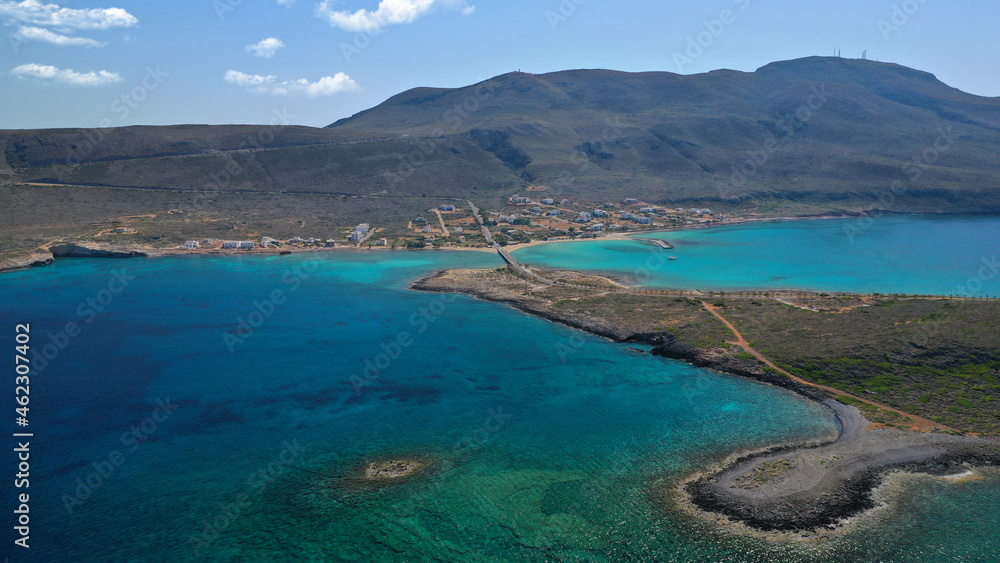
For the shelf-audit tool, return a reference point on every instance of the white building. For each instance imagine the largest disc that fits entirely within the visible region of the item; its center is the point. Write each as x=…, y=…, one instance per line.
x=239, y=244
x=191, y=244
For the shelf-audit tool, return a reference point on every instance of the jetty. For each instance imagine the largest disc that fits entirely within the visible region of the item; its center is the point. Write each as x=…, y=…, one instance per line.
x=661, y=243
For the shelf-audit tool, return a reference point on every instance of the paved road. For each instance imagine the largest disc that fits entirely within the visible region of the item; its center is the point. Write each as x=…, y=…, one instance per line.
x=482, y=224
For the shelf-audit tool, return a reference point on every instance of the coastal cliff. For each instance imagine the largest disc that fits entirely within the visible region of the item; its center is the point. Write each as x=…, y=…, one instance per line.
x=70, y=250
x=39, y=257
x=48, y=254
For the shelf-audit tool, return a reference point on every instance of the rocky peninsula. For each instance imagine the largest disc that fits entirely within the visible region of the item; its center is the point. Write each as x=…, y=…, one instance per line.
x=788, y=487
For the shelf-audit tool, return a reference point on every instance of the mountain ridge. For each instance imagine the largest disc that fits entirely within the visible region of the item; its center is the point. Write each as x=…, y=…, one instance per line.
x=812, y=136
x=876, y=115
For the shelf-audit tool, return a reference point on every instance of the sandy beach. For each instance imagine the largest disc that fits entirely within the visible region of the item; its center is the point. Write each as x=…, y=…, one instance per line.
x=48, y=252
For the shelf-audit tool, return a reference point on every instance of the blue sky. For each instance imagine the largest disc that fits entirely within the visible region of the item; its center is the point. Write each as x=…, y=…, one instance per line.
x=84, y=63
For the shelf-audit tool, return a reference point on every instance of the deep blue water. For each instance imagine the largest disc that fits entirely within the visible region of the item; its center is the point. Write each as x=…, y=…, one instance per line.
x=546, y=444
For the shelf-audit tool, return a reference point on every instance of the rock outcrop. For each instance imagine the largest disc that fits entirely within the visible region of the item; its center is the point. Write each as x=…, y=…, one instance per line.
x=29, y=260
x=71, y=250
x=47, y=255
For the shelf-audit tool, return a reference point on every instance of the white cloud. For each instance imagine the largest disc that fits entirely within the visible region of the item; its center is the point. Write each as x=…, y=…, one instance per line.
x=254, y=82
x=36, y=13
x=266, y=47
x=66, y=76
x=326, y=86
x=44, y=35
x=286, y=3
x=389, y=12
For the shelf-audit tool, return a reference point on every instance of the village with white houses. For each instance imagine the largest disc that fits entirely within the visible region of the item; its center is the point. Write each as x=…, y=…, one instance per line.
x=356, y=237
x=518, y=220
x=521, y=220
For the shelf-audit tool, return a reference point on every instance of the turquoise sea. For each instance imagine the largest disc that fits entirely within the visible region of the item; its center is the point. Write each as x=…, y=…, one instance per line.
x=891, y=254
x=216, y=409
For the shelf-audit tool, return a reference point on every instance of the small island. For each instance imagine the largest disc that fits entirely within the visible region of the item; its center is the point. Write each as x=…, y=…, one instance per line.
x=374, y=474
x=390, y=469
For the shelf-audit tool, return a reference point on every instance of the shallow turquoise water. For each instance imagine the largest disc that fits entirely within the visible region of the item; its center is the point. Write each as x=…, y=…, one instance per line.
x=928, y=255
x=547, y=444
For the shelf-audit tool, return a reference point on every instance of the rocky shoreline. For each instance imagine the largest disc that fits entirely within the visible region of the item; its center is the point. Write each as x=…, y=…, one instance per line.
x=821, y=486
x=48, y=254
x=663, y=344
x=791, y=487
